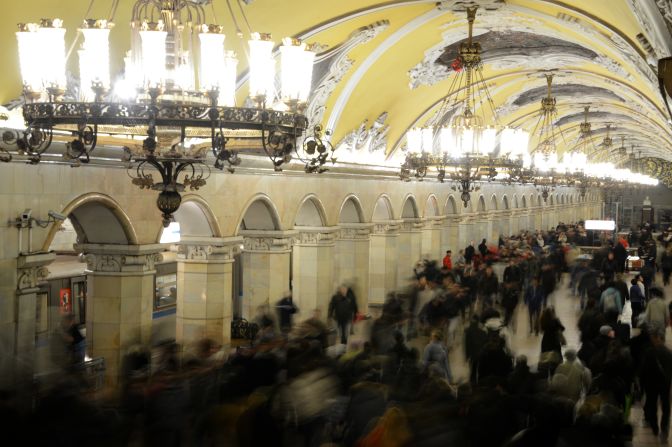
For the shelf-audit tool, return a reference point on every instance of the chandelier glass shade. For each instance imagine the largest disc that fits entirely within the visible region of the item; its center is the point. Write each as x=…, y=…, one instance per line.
x=174, y=104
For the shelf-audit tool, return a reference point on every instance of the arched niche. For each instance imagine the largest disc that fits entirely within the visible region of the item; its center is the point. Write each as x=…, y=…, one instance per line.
x=96, y=219
x=533, y=201
x=196, y=218
x=451, y=206
x=351, y=211
x=516, y=204
x=493, y=203
x=524, y=202
x=551, y=200
x=540, y=201
x=410, y=208
x=310, y=213
x=481, y=205
x=505, y=203
x=432, y=206
x=260, y=214
x=383, y=210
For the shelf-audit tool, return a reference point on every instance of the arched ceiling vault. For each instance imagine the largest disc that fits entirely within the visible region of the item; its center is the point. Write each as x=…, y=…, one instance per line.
x=381, y=57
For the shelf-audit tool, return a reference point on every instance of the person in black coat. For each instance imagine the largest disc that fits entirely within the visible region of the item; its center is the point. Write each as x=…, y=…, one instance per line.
x=656, y=376
x=483, y=248
x=286, y=310
x=343, y=309
x=609, y=266
x=475, y=337
x=552, y=328
x=469, y=253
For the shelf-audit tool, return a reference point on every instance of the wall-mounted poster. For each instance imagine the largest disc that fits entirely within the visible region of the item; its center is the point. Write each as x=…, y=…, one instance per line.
x=65, y=301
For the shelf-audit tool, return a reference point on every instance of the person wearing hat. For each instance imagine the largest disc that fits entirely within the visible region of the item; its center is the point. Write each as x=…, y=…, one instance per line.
x=656, y=314
x=578, y=376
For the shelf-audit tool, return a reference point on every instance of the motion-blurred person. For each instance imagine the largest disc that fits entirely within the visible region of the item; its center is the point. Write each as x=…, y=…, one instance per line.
x=637, y=300
x=578, y=376
x=534, y=299
x=657, y=316
x=342, y=309
x=73, y=338
x=435, y=357
x=656, y=373
x=475, y=337
x=286, y=310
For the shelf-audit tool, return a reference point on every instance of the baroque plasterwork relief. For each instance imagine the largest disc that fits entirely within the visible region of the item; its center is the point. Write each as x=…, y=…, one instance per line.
x=331, y=69
x=428, y=72
x=365, y=144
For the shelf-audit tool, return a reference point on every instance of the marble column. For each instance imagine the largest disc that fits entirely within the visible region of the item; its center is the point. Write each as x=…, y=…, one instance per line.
x=431, y=238
x=313, y=269
x=265, y=268
x=351, y=260
x=383, y=261
x=466, y=233
x=120, y=297
x=204, y=288
x=409, y=248
x=450, y=235
x=32, y=270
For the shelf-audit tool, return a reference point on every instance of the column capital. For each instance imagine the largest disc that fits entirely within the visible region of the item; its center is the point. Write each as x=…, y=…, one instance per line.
x=209, y=249
x=434, y=221
x=125, y=259
x=315, y=236
x=386, y=228
x=409, y=225
x=32, y=270
x=268, y=241
x=354, y=231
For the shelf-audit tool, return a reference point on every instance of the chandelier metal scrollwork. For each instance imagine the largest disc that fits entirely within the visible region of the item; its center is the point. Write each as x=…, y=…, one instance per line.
x=180, y=108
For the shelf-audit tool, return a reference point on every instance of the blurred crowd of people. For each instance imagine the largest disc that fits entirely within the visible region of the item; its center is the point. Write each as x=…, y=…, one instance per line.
x=353, y=380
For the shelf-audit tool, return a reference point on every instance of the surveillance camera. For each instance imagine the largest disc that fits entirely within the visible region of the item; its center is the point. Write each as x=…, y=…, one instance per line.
x=57, y=216
x=27, y=213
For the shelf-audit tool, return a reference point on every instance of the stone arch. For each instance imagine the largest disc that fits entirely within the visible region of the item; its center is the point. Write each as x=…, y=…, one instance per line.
x=432, y=207
x=195, y=218
x=505, y=202
x=451, y=206
x=540, y=201
x=524, y=201
x=97, y=219
x=481, y=204
x=409, y=209
x=551, y=200
x=383, y=210
x=516, y=203
x=310, y=213
x=351, y=210
x=493, y=203
x=260, y=213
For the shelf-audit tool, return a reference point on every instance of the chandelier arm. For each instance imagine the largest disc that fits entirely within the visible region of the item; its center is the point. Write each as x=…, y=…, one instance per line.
x=490, y=101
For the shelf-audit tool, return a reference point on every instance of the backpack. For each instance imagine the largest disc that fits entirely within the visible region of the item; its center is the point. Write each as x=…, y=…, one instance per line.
x=609, y=302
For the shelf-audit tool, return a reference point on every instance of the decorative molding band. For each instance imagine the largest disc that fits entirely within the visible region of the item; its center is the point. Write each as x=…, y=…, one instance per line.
x=316, y=236
x=388, y=228
x=411, y=225
x=32, y=270
x=214, y=250
x=267, y=241
x=124, y=259
x=354, y=232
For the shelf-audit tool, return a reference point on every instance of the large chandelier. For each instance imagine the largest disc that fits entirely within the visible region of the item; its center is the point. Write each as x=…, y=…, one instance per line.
x=175, y=103
x=465, y=150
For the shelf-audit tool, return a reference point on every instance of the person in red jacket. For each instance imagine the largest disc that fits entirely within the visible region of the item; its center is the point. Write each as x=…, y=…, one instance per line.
x=448, y=261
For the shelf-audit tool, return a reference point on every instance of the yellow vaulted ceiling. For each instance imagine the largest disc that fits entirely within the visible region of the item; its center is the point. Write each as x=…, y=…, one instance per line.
x=620, y=82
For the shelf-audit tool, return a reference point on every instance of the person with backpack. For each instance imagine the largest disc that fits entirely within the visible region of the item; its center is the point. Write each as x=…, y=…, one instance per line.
x=637, y=300
x=610, y=302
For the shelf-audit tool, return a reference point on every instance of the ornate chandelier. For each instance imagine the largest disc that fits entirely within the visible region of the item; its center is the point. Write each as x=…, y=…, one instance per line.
x=175, y=103
x=465, y=151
